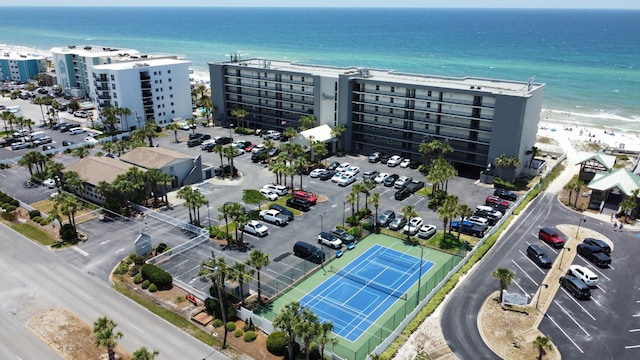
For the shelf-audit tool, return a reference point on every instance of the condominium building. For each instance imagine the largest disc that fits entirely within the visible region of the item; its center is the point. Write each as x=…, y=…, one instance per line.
x=21, y=67
x=151, y=88
x=385, y=110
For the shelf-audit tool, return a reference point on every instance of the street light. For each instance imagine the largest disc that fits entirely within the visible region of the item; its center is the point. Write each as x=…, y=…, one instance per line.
x=562, y=256
x=344, y=210
x=209, y=217
x=583, y=220
x=419, y=276
x=540, y=294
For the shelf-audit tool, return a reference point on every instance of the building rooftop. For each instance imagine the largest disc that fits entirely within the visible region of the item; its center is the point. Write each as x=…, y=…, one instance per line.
x=132, y=63
x=518, y=88
x=95, y=169
x=153, y=157
x=20, y=55
x=94, y=50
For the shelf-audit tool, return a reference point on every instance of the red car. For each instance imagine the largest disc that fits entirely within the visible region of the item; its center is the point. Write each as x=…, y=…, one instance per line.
x=305, y=195
x=250, y=147
x=496, y=201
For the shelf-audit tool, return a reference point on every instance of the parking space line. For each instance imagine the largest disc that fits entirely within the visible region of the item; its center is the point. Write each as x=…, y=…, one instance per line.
x=595, y=301
x=577, y=303
x=571, y=317
x=531, y=261
x=634, y=330
x=636, y=315
x=565, y=334
x=82, y=252
x=525, y=273
x=521, y=289
x=632, y=347
x=419, y=201
x=601, y=289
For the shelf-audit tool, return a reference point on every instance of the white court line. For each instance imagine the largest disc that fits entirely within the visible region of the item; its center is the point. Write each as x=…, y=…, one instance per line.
x=80, y=251
x=571, y=317
x=525, y=273
x=577, y=303
x=565, y=334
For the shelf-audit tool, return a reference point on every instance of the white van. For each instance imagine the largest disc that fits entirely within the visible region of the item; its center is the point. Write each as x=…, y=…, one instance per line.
x=35, y=136
x=583, y=273
x=77, y=130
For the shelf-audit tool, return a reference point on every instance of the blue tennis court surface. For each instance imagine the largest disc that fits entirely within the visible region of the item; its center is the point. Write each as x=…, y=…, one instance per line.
x=357, y=295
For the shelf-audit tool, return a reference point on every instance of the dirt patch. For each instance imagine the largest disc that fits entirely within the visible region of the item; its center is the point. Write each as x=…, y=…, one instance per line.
x=68, y=335
x=22, y=216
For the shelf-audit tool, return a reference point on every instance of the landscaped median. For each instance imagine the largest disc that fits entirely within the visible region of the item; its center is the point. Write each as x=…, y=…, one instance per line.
x=511, y=334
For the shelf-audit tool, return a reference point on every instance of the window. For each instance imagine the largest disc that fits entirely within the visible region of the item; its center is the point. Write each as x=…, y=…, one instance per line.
x=171, y=103
x=375, y=139
x=391, y=121
x=171, y=96
x=377, y=87
x=426, y=126
x=377, y=98
x=391, y=99
x=390, y=111
x=112, y=77
x=169, y=79
x=303, y=79
x=376, y=109
x=429, y=93
x=169, y=72
x=393, y=89
x=290, y=87
x=375, y=119
x=170, y=87
x=428, y=105
x=303, y=88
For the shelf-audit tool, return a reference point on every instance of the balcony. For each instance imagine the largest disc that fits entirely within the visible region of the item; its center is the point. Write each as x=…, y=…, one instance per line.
x=145, y=84
x=144, y=76
x=146, y=94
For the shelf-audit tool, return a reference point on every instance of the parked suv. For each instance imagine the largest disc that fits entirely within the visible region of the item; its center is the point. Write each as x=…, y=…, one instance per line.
x=505, y=194
x=551, y=237
x=310, y=197
x=300, y=204
x=329, y=240
x=593, y=254
x=535, y=253
x=576, y=287
x=583, y=273
x=386, y=217
x=343, y=235
x=604, y=247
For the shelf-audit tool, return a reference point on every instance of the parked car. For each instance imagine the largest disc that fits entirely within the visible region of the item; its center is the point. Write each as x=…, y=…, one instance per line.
x=8, y=141
x=551, y=237
x=354, y=170
x=405, y=163
x=390, y=180
x=194, y=142
x=402, y=182
x=576, y=287
x=343, y=167
x=343, y=235
x=269, y=194
x=300, y=204
x=67, y=143
x=326, y=174
x=538, y=256
x=585, y=274
x=427, y=231
x=413, y=226
x=42, y=141
x=505, y=194
x=398, y=223
x=330, y=240
x=386, y=217
x=77, y=130
x=20, y=145
x=469, y=228
x=370, y=175
x=594, y=255
x=493, y=200
x=80, y=114
x=283, y=210
x=402, y=194
x=336, y=176
x=316, y=173
x=601, y=244
x=274, y=216
x=306, y=195
x=280, y=190
x=333, y=166
x=395, y=160
x=256, y=228
x=384, y=158
x=50, y=183
x=196, y=136
x=414, y=186
x=375, y=157
x=224, y=170
x=224, y=140
x=347, y=179
x=48, y=147
x=379, y=179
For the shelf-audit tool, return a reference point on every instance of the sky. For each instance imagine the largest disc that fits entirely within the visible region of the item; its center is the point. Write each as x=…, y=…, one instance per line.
x=550, y=4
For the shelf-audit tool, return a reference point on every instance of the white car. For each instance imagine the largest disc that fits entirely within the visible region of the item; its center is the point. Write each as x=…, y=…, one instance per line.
x=395, y=160
x=269, y=194
x=239, y=152
x=379, y=179
x=257, y=148
x=77, y=130
x=337, y=176
x=413, y=226
x=278, y=189
x=427, y=231
x=50, y=183
x=405, y=163
x=354, y=169
x=90, y=140
x=256, y=228
x=583, y=273
x=347, y=179
x=343, y=167
x=316, y=172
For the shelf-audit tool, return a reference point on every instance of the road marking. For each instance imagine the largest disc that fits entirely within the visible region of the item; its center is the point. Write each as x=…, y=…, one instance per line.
x=632, y=347
x=119, y=250
x=85, y=294
x=577, y=303
x=104, y=242
x=601, y=289
x=571, y=317
x=595, y=301
x=611, y=267
x=418, y=202
x=133, y=326
x=519, y=287
x=565, y=334
x=525, y=273
x=80, y=251
x=334, y=205
x=598, y=271
x=636, y=315
x=634, y=330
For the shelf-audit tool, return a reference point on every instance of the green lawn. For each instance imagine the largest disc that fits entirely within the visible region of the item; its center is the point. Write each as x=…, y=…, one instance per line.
x=34, y=233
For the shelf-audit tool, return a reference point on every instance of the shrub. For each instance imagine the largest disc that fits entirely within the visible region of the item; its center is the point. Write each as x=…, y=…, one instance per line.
x=250, y=336
x=153, y=288
x=14, y=202
x=356, y=231
x=368, y=226
x=133, y=270
x=145, y=284
x=231, y=326
x=67, y=232
x=9, y=216
x=158, y=276
x=276, y=343
x=44, y=221
x=37, y=218
x=161, y=248
x=121, y=269
x=34, y=213
x=137, y=279
x=248, y=325
x=10, y=208
x=238, y=333
x=216, y=323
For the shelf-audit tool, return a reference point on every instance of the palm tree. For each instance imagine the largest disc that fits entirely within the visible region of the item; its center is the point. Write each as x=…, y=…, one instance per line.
x=67, y=204
x=28, y=160
x=186, y=193
x=230, y=152
x=109, y=119
x=106, y=336
x=290, y=133
x=448, y=211
x=409, y=212
x=108, y=147
x=239, y=114
x=300, y=164
x=287, y=320
x=216, y=269
x=277, y=167
x=219, y=149
x=375, y=201
x=258, y=260
x=512, y=163
x=337, y=132
x=144, y=354
x=238, y=272
x=306, y=122
x=123, y=112
x=542, y=344
x=319, y=150
x=323, y=337
x=73, y=181
x=149, y=131
x=41, y=101
x=53, y=170
x=505, y=276
x=366, y=188
x=464, y=211
x=229, y=211
x=81, y=152
x=356, y=188
x=173, y=127
x=352, y=199
x=154, y=177
x=199, y=200
x=308, y=330
x=628, y=205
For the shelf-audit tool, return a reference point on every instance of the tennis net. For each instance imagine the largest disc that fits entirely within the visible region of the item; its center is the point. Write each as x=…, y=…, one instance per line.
x=368, y=282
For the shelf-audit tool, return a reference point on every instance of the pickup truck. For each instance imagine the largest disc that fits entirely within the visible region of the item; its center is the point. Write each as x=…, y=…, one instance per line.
x=274, y=217
x=414, y=186
x=469, y=228
x=594, y=254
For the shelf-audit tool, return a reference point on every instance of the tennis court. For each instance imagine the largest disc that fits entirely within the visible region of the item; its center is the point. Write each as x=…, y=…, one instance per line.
x=355, y=296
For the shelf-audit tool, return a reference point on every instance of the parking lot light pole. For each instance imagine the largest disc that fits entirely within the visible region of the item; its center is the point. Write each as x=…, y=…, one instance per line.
x=344, y=210
x=540, y=294
x=582, y=220
x=562, y=256
x=209, y=217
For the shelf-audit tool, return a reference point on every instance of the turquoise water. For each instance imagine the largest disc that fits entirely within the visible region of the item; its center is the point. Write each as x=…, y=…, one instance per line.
x=589, y=59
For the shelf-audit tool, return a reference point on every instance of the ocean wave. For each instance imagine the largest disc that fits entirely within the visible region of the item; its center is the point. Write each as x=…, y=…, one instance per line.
x=600, y=114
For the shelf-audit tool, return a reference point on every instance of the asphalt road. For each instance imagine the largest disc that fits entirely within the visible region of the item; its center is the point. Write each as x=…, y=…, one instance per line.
x=34, y=279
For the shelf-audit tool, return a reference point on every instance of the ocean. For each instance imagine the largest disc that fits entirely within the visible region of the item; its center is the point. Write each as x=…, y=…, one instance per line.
x=589, y=59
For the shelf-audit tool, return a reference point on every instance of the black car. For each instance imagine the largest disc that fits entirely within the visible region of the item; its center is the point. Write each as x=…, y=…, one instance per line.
x=326, y=174
x=300, y=204
x=48, y=147
x=390, y=180
x=414, y=186
x=505, y=194
x=195, y=136
x=535, y=253
x=209, y=147
x=603, y=246
x=334, y=165
x=55, y=126
x=414, y=165
x=402, y=194
x=194, y=142
x=257, y=156
x=224, y=170
x=593, y=254
x=8, y=141
x=67, y=143
x=384, y=158
x=283, y=210
x=224, y=140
